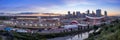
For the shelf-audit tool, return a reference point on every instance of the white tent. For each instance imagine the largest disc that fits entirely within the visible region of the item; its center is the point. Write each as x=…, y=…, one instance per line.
x=95, y=17
x=70, y=26
x=82, y=24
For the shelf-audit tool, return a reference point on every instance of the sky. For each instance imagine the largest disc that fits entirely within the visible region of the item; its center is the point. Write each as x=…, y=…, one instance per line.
x=60, y=6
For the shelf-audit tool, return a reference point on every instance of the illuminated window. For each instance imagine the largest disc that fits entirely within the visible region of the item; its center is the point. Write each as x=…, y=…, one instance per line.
x=15, y=23
x=53, y=24
x=35, y=24
x=12, y=23
x=30, y=24
x=50, y=24
x=45, y=24
x=26, y=24
x=22, y=24
x=41, y=24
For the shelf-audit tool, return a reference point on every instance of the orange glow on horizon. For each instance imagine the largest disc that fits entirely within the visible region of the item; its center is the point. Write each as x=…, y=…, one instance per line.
x=113, y=14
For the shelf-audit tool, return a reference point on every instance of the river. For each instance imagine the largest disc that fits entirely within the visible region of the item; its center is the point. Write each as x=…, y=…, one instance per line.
x=80, y=36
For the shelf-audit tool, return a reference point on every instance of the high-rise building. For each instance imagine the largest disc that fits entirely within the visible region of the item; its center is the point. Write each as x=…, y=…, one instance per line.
x=105, y=13
x=98, y=12
x=88, y=12
x=83, y=15
x=78, y=13
x=69, y=14
x=74, y=15
x=93, y=14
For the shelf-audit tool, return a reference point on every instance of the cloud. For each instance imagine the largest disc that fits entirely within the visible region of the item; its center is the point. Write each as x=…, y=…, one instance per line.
x=56, y=6
x=113, y=1
x=25, y=8
x=78, y=2
x=88, y=2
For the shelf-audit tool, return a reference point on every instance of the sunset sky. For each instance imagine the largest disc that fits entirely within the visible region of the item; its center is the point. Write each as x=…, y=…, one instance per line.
x=60, y=6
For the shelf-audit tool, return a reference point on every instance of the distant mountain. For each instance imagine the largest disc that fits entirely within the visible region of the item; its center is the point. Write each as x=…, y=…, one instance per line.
x=27, y=13
x=1, y=13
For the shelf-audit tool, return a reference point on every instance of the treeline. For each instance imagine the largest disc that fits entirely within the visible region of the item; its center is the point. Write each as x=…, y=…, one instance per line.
x=5, y=17
x=0, y=38
x=107, y=32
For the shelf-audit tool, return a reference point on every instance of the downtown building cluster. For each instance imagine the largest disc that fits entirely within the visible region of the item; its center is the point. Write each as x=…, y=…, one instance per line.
x=78, y=14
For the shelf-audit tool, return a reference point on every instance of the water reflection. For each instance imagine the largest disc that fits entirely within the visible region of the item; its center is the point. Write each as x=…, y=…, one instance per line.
x=80, y=36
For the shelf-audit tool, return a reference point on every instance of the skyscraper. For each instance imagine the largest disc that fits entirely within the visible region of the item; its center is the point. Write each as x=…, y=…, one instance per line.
x=78, y=13
x=93, y=14
x=69, y=14
x=74, y=15
x=83, y=15
x=105, y=13
x=88, y=12
x=98, y=12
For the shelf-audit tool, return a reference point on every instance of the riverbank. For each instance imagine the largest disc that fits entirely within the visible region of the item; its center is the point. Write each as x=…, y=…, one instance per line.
x=107, y=32
x=37, y=36
x=0, y=38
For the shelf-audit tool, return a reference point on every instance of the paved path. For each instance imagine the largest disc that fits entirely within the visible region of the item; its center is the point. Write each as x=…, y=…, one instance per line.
x=3, y=37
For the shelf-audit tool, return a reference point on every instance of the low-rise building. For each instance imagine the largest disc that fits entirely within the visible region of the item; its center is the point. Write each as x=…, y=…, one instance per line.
x=34, y=21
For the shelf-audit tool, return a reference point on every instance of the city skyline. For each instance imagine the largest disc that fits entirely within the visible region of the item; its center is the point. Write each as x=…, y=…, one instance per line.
x=60, y=6
x=78, y=14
